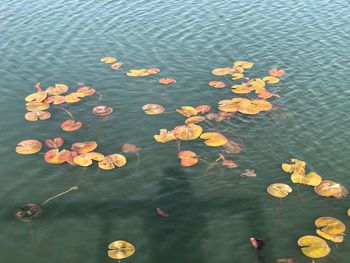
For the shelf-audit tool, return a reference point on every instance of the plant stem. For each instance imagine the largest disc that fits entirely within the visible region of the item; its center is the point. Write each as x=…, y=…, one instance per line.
x=73, y=188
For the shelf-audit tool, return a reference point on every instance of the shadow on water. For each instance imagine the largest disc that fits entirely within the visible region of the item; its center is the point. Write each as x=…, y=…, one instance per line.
x=178, y=237
x=181, y=237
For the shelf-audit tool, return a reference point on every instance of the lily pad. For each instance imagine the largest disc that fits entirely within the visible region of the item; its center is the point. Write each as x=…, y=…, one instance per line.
x=153, y=109
x=102, y=111
x=279, y=190
x=55, y=143
x=313, y=247
x=117, y=65
x=71, y=125
x=217, y=84
x=188, y=158
x=195, y=119
x=214, y=139
x=188, y=132
x=37, y=115
x=243, y=64
x=120, y=249
x=167, y=81
x=84, y=147
x=108, y=60
x=165, y=136
x=328, y=188
x=28, y=147
x=203, y=108
x=187, y=111
x=55, y=156
x=276, y=72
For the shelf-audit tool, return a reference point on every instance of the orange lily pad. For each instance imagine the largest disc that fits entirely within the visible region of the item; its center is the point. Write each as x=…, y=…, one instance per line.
x=117, y=65
x=71, y=125
x=214, y=139
x=194, y=119
x=217, y=84
x=55, y=143
x=153, y=109
x=55, y=99
x=271, y=79
x=243, y=64
x=188, y=158
x=37, y=96
x=188, y=132
x=112, y=161
x=137, y=73
x=82, y=160
x=28, y=147
x=187, y=111
x=153, y=71
x=87, y=91
x=108, y=60
x=37, y=106
x=55, y=156
x=165, y=136
x=276, y=72
x=329, y=188
x=203, y=108
x=37, y=115
x=84, y=147
x=221, y=71
x=57, y=90
x=167, y=81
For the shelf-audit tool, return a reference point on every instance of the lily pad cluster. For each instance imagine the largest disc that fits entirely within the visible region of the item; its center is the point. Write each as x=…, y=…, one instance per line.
x=326, y=188
x=39, y=102
x=328, y=228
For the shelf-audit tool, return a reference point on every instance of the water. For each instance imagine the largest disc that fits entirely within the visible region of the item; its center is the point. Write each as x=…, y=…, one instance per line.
x=212, y=214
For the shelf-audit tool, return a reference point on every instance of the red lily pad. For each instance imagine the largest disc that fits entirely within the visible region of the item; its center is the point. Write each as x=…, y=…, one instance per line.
x=55, y=143
x=102, y=110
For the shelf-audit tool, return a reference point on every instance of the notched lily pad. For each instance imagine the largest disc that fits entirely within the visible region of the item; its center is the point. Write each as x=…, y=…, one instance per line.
x=120, y=249
x=279, y=190
x=313, y=247
x=28, y=147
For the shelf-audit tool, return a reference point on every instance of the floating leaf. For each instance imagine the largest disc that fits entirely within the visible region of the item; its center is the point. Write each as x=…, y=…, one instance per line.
x=232, y=147
x=153, y=71
x=95, y=156
x=276, y=72
x=236, y=76
x=188, y=158
x=102, y=111
x=74, y=97
x=37, y=106
x=242, y=88
x=187, y=132
x=28, y=212
x=165, y=136
x=57, y=90
x=37, y=115
x=271, y=79
x=311, y=178
x=117, y=65
x=55, y=143
x=120, y=249
x=137, y=73
x=55, y=156
x=221, y=71
x=313, y=247
x=153, y=109
x=249, y=173
x=130, y=148
x=167, y=81
x=279, y=190
x=119, y=160
x=28, y=147
x=37, y=96
x=330, y=228
x=84, y=147
x=108, y=60
x=333, y=238
x=87, y=91
x=194, y=119
x=229, y=163
x=55, y=99
x=106, y=163
x=243, y=64
x=214, y=117
x=187, y=111
x=214, y=139
x=217, y=84
x=203, y=108
x=329, y=188
x=82, y=160
x=71, y=125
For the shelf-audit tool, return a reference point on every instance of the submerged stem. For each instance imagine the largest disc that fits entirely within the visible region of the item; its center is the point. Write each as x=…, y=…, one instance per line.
x=66, y=111
x=73, y=188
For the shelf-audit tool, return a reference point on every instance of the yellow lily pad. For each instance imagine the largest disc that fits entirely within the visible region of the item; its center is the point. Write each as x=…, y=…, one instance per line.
x=279, y=190
x=313, y=247
x=120, y=249
x=214, y=139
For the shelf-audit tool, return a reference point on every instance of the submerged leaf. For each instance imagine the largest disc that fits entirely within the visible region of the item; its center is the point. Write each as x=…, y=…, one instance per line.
x=102, y=111
x=232, y=147
x=153, y=109
x=130, y=148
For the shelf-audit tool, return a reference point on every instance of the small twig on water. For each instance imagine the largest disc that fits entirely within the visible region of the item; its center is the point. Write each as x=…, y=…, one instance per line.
x=73, y=188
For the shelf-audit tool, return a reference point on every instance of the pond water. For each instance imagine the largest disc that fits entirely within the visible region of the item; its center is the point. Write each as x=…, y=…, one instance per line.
x=212, y=213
